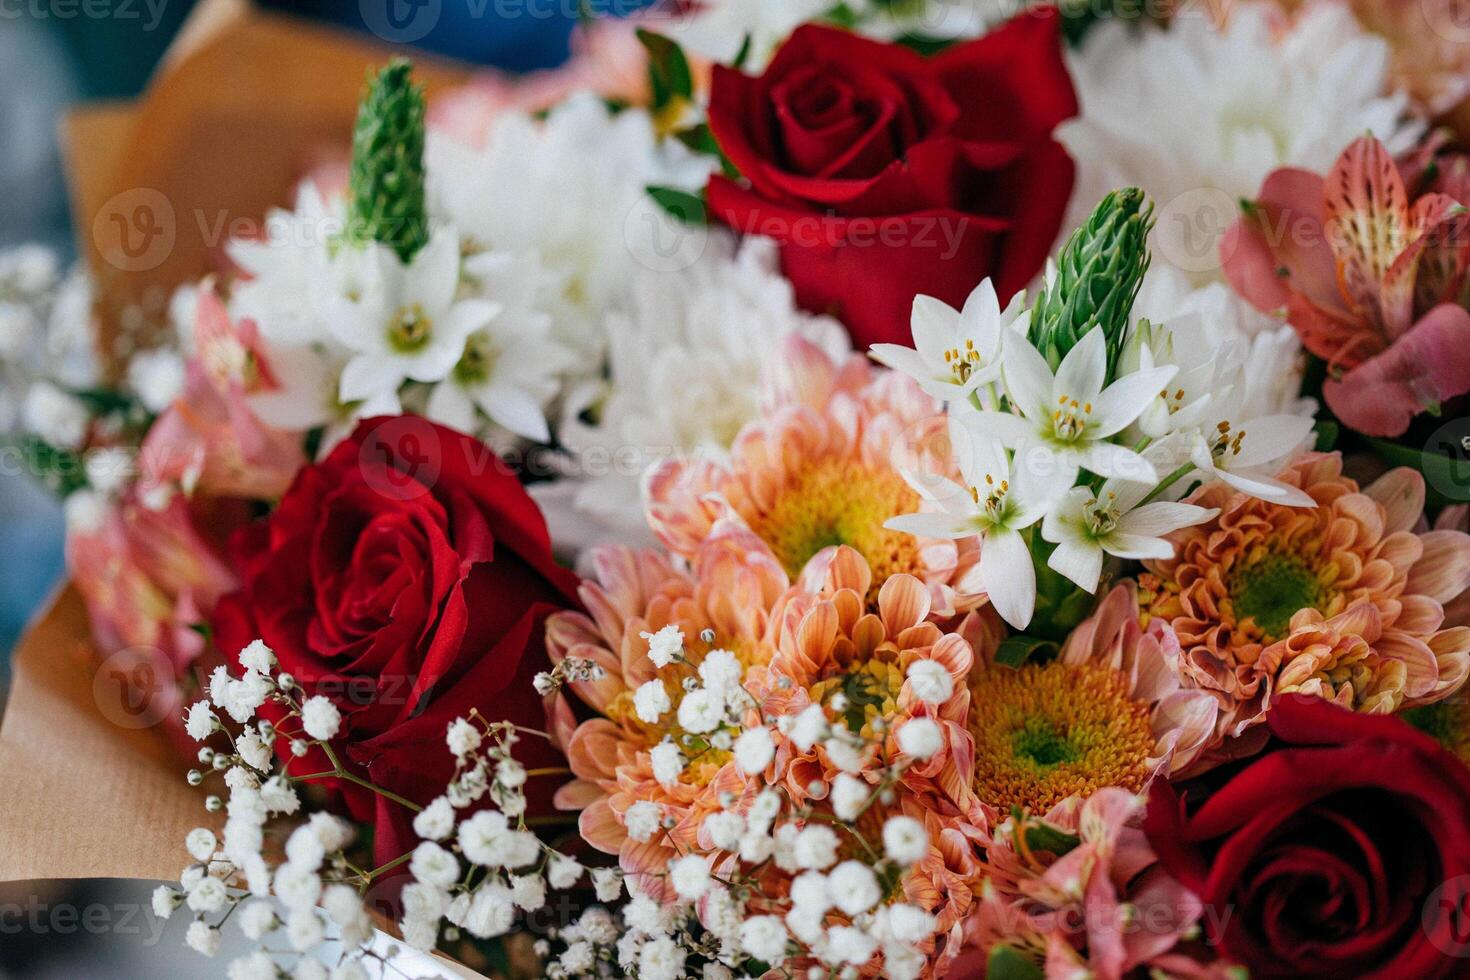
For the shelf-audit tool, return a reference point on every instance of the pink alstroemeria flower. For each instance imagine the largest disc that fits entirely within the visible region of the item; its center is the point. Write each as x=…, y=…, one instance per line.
x=1373, y=284
x=209, y=439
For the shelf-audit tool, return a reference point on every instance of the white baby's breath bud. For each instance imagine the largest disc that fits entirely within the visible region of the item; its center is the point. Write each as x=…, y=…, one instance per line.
x=334, y=832
x=608, y=883
x=279, y=796
x=208, y=896
x=853, y=887
x=665, y=646
x=285, y=681
x=194, y=777
x=689, y=876
x=809, y=727
x=257, y=919
x=165, y=900
x=200, y=722
x=920, y=738
x=299, y=747
x=930, y=681
x=320, y=718
x=642, y=820
x=905, y=840
x=848, y=796
x=463, y=738
x=544, y=683
x=201, y=844
x=701, y=712
x=650, y=701
x=202, y=938
x=213, y=804
x=815, y=847
x=435, y=821
x=764, y=938
x=253, y=751
x=563, y=871
x=846, y=753
x=724, y=829
x=435, y=866
x=754, y=750
x=258, y=657
x=304, y=930
x=668, y=763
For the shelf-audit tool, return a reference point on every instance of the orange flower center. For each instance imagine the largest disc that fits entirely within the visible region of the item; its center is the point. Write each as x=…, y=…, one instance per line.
x=837, y=502
x=1047, y=731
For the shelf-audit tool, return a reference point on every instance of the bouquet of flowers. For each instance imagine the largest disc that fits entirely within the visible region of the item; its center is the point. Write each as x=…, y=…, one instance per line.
x=828, y=491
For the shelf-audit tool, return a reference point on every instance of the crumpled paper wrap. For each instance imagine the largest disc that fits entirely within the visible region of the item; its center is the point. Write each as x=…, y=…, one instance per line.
x=243, y=104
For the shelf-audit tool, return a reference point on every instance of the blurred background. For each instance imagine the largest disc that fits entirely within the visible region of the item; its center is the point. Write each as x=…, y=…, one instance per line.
x=55, y=54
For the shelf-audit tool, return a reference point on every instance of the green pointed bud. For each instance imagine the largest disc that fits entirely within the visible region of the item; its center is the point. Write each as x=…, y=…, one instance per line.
x=386, y=186
x=1096, y=279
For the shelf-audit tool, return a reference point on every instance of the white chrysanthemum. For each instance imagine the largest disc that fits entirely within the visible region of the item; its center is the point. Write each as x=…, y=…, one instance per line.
x=1225, y=107
x=685, y=360
x=571, y=188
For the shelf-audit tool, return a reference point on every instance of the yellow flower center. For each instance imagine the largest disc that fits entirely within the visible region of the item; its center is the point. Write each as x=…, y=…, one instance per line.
x=838, y=502
x=963, y=362
x=1268, y=587
x=1047, y=731
x=1070, y=418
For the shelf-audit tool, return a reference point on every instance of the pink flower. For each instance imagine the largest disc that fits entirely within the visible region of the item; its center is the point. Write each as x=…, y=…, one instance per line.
x=822, y=468
x=1081, y=893
x=209, y=440
x=148, y=578
x=1372, y=283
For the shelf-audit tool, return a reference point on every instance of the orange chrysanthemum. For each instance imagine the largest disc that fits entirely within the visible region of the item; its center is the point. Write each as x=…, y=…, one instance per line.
x=820, y=469
x=830, y=650
x=729, y=590
x=1343, y=600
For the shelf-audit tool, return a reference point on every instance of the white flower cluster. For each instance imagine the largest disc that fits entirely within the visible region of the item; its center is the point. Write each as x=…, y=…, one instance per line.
x=311, y=896
x=532, y=238
x=1218, y=405
x=770, y=880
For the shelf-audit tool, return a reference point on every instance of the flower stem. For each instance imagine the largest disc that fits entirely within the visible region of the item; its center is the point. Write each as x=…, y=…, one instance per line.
x=1167, y=482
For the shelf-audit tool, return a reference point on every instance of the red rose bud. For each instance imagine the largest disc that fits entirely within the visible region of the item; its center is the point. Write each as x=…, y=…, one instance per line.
x=885, y=175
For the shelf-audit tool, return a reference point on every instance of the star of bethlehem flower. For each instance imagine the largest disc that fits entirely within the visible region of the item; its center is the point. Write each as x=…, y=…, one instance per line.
x=1071, y=414
x=406, y=323
x=997, y=502
x=956, y=351
x=1084, y=525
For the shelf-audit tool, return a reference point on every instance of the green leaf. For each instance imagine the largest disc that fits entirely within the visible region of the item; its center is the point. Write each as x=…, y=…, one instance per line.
x=1327, y=433
x=743, y=55
x=701, y=139
x=668, y=69
x=1015, y=651
x=1044, y=837
x=688, y=208
x=1009, y=963
x=59, y=470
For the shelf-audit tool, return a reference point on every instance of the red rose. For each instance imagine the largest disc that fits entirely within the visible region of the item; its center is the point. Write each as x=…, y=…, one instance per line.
x=1342, y=852
x=405, y=577
x=885, y=175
